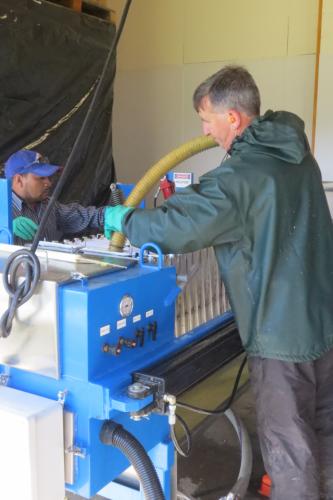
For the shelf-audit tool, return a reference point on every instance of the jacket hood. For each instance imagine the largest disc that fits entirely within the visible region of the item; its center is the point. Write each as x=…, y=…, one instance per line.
x=280, y=133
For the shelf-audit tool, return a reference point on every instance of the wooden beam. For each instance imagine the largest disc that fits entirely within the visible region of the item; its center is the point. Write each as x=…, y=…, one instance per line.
x=316, y=80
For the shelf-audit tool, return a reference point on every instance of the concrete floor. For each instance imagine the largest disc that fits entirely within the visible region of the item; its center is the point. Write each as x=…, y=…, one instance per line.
x=212, y=468
x=215, y=440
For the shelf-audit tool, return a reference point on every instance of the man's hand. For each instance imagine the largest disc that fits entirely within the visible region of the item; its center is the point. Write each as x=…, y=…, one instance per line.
x=113, y=217
x=24, y=228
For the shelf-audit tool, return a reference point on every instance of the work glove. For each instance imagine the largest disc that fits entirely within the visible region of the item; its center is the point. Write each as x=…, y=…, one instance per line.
x=113, y=217
x=24, y=228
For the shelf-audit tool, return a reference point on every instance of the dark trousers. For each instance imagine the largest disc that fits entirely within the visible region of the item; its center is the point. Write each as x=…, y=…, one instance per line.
x=294, y=404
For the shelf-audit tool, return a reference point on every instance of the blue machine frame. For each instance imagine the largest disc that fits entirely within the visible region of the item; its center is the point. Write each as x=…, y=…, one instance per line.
x=94, y=376
x=6, y=229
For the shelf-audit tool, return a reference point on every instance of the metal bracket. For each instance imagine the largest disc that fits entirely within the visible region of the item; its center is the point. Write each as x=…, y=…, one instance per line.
x=62, y=396
x=157, y=386
x=76, y=451
x=4, y=379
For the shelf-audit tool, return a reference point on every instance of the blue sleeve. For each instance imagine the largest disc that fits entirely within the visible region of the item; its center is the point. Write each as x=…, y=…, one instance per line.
x=73, y=218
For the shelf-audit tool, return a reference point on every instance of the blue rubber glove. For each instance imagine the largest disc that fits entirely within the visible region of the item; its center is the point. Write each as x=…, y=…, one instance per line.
x=113, y=217
x=24, y=228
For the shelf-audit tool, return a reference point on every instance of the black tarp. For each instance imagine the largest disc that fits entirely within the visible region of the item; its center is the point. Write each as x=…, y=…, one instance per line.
x=50, y=62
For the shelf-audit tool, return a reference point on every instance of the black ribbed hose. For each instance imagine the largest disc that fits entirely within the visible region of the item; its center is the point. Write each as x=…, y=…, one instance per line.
x=114, y=434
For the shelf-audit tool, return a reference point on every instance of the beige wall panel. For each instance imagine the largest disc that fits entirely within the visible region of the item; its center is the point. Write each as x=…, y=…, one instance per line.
x=152, y=36
x=217, y=30
x=302, y=33
x=327, y=28
x=285, y=84
x=324, y=128
x=147, y=119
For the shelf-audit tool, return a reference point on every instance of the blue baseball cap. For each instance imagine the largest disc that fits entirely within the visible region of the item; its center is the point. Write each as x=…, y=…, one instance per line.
x=29, y=162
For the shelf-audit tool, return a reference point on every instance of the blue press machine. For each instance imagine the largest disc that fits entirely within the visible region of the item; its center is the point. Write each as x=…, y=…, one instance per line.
x=109, y=324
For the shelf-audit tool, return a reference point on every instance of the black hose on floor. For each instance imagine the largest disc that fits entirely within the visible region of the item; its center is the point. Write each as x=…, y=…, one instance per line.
x=182, y=451
x=114, y=434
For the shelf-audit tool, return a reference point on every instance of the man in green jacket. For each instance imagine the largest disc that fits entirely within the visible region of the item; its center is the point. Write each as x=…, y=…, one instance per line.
x=265, y=213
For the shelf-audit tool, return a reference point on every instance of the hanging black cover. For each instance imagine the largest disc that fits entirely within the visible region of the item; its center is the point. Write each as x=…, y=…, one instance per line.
x=50, y=62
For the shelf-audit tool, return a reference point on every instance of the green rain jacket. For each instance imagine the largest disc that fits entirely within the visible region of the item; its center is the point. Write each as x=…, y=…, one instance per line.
x=265, y=213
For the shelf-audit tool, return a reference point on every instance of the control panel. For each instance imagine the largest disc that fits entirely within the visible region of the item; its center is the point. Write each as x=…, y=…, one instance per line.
x=117, y=320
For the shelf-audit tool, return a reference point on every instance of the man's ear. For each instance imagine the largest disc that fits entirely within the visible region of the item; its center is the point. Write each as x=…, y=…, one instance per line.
x=234, y=118
x=17, y=182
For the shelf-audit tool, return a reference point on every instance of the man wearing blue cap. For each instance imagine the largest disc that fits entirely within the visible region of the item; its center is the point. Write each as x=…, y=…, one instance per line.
x=30, y=174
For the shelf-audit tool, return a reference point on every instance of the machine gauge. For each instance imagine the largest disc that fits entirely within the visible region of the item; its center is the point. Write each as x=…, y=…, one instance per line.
x=126, y=306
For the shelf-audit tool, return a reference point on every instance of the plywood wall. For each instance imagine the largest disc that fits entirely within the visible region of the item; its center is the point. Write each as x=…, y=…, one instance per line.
x=169, y=46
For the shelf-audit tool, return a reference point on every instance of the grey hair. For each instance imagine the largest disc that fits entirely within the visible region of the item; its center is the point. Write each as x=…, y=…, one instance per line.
x=232, y=87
